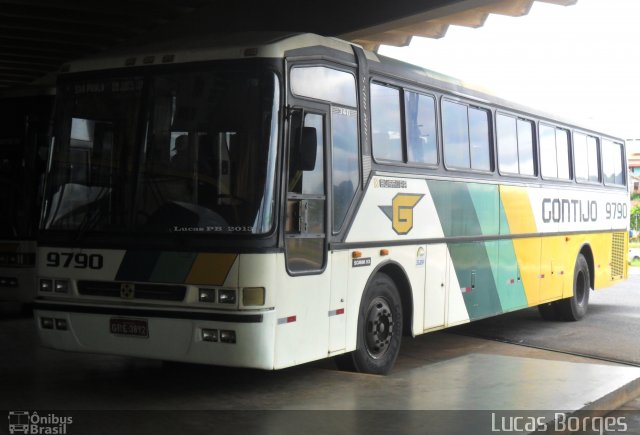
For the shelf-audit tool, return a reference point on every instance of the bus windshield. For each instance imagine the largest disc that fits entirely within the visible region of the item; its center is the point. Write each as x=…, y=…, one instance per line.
x=24, y=123
x=184, y=152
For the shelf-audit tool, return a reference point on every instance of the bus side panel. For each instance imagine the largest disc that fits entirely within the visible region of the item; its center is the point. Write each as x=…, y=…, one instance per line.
x=302, y=326
x=411, y=259
x=472, y=210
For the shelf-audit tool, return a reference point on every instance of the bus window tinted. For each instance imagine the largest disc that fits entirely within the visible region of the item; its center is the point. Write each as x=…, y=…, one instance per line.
x=525, y=147
x=455, y=135
x=515, y=145
x=345, y=168
x=324, y=84
x=420, y=124
x=507, y=144
x=612, y=162
x=554, y=152
x=594, y=163
x=465, y=132
x=586, y=157
x=385, y=123
x=479, y=136
x=562, y=150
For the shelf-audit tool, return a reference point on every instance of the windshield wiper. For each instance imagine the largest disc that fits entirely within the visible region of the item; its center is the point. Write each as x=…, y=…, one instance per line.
x=92, y=216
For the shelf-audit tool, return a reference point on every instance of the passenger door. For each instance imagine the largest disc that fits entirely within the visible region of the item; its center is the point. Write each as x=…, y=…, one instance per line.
x=305, y=227
x=302, y=332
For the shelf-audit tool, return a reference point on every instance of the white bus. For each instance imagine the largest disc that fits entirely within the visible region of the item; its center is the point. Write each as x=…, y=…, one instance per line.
x=25, y=116
x=269, y=202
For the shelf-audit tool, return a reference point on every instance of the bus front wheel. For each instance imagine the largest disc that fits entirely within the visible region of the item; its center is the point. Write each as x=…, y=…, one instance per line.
x=379, y=329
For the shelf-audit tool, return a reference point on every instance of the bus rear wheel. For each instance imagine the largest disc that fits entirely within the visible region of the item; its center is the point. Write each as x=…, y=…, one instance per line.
x=379, y=329
x=549, y=311
x=575, y=307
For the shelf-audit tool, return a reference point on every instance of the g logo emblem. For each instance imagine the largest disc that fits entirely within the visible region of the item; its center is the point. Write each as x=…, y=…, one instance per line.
x=401, y=211
x=127, y=291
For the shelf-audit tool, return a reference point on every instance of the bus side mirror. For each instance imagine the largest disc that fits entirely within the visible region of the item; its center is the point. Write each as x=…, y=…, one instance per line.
x=308, y=147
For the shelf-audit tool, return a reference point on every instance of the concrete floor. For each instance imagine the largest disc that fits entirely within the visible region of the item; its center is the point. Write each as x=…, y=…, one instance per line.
x=439, y=371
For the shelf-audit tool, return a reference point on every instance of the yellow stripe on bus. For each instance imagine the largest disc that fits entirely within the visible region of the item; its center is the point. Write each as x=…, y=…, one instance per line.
x=211, y=269
x=518, y=210
x=519, y=214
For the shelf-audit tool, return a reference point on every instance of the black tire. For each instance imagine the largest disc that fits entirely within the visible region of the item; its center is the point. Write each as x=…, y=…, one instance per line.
x=575, y=307
x=379, y=329
x=549, y=311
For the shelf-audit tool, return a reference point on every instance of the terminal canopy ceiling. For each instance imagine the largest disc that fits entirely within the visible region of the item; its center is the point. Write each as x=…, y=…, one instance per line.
x=38, y=36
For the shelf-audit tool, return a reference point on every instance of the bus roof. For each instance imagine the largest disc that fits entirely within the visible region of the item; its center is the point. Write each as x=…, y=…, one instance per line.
x=212, y=47
x=276, y=45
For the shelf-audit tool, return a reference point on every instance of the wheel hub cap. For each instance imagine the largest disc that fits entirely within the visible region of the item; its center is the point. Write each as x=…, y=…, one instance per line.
x=379, y=327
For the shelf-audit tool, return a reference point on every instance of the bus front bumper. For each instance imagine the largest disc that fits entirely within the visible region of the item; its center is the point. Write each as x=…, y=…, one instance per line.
x=234, y=339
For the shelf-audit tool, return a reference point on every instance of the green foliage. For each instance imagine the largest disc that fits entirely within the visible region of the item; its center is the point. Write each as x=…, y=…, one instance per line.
x=635, y=217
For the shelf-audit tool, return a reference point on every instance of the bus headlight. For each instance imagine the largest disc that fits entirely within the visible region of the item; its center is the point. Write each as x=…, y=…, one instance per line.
x=210, y=335
x=207, y=295
x=46, y=285
x=226, y=296
x=61, y=286
x=253, y=296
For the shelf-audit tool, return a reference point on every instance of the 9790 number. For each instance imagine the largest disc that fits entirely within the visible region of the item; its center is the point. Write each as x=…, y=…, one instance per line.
x=77, y=261
x=616, y=210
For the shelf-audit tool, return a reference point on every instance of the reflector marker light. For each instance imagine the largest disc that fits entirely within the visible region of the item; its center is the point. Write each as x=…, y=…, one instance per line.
x=466, y=289
x=336, y=312
x=285, y=320
x=511, y=281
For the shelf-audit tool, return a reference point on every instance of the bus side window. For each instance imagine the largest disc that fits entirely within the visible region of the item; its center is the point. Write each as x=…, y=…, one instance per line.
x=548, y=154
x=554, y=152
x=345, y=162
x=465, y=132
x=612, y=162
x=455, y=134
x=507, y=136
x=385, y=123
x=312, y=181
x=420, y=125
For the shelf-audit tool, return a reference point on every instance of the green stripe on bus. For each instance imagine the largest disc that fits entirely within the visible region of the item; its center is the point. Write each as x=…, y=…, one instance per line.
x=510, y=286
x=486, y=202
x=476, y=278
x=173, y=267
x=455, y=208
x=458, y=214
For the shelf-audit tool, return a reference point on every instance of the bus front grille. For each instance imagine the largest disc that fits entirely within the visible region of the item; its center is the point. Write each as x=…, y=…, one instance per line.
x=119, y=290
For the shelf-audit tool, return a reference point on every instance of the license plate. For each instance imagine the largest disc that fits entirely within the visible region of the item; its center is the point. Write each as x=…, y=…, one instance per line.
x=129, y=327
